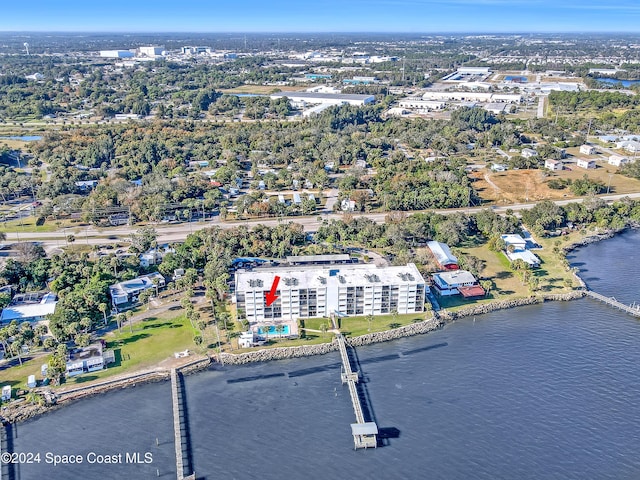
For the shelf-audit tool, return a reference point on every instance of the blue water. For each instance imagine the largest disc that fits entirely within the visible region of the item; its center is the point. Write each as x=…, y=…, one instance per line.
x=24, y=138
x=542, y=392
x=514, y=78
x=614, y=81
x=272, y=330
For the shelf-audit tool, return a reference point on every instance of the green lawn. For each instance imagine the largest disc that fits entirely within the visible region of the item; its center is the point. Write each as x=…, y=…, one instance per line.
x=26, y=225
x=359, y=325
x=151, y=341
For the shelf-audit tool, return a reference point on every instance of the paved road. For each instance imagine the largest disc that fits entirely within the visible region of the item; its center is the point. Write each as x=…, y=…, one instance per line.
x=176, y=233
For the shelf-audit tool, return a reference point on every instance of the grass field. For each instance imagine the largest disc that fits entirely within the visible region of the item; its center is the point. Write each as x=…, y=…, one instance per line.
x=517, y=186
x=151, y=341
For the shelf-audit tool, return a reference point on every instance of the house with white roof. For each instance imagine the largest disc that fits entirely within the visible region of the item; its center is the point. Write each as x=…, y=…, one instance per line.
x=586, y=163
x=516, y=248
x=457, y=282
x=553, y=165
x=529, y=152
x=617, y=160
x=127, y=291
x=29, y=308
x=629, y=145
x=587, y=149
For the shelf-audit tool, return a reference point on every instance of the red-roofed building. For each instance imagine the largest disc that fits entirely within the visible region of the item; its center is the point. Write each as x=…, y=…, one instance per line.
x=443, y=255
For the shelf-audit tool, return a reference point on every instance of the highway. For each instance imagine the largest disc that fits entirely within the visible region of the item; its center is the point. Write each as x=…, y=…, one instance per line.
x=92, y=235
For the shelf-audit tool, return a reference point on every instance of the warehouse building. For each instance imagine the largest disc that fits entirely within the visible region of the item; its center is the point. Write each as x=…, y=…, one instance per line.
x=116, y=54
x=323, y=291
x=304, y=98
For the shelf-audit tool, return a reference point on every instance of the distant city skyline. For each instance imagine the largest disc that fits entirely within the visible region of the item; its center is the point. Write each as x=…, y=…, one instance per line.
x=411, y=16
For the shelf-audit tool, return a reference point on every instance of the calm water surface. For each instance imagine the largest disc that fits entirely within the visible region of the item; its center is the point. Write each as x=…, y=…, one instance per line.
x=540, y=392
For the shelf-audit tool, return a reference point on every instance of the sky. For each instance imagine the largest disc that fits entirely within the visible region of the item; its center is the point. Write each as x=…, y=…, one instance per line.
x=411, y=16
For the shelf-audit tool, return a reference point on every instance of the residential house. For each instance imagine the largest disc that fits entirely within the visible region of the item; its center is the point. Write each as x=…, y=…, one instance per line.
x=516, y=248
x=457, y=282
x=587, y=149
x=30, y=307
x=586, y=163
x=88, y=359
x=617, y=160
x=127, y=292
x=553, y=165
x=529, y=152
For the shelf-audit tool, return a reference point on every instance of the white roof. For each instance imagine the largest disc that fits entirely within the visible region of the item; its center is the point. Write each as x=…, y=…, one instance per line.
x=456, y=277
x=135, y=285
x=319, y=276
x=28, y=311
x=513, y=239
x=442, y=253
x=524, y=255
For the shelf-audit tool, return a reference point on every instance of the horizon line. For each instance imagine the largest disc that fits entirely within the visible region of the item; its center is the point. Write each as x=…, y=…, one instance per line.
x=328, y=32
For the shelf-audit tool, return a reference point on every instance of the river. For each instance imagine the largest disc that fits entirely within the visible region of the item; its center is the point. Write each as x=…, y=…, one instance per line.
x=541, y=392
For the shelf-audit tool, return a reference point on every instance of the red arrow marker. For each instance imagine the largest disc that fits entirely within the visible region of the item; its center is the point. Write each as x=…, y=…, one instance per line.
x=271, y=296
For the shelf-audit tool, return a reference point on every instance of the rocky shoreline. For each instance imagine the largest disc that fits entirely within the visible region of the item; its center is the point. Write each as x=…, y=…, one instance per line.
x=19, y=412
x=22, y=411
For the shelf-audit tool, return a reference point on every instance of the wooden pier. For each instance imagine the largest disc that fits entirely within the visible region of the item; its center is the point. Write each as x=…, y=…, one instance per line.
x=365, y=434
x=635, y=311
x=183, y=468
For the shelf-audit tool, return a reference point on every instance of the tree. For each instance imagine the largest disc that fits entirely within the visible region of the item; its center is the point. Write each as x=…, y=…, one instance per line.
x=57, y=364
x=279, y=329
x=324, y=329
x=265, y=329
x=103, y=308
x=82, y=339
x=197, y=339
x=129, y=316
x=369, y=318
x=486, y=286
x=143, y=239
x=119, y=319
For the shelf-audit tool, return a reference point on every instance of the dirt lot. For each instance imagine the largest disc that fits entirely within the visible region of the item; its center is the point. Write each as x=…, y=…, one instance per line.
x=517, y=186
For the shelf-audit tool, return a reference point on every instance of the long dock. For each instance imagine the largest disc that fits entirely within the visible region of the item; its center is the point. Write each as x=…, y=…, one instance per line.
x=183, y=468
x=365, y=434
x=635, y=311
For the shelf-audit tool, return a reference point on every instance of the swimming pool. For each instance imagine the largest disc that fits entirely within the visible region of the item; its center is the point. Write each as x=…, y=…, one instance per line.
x=272, y=330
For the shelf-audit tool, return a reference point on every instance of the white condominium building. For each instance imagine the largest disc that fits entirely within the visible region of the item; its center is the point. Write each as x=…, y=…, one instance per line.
x=320, y=291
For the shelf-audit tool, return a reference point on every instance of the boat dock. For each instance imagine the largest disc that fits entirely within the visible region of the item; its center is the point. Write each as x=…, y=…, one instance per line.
x=365, y=434
x=180, y=427
x=635, y=311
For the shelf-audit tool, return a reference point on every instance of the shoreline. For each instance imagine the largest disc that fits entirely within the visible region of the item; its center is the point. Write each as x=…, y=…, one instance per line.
x=22, y=412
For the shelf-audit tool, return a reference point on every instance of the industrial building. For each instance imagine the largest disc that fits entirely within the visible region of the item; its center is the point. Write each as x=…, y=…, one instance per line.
x=323, y=291
x=116, y=54
x=152, y=51
x=420, y=104
x=304, y=98
x=486, y=97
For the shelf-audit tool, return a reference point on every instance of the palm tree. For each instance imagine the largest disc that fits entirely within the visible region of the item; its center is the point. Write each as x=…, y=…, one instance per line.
x=129, y=315
x=119, y=319
x=156, y=283
x=103, y=308
x=279, y=329
x=265, y=329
